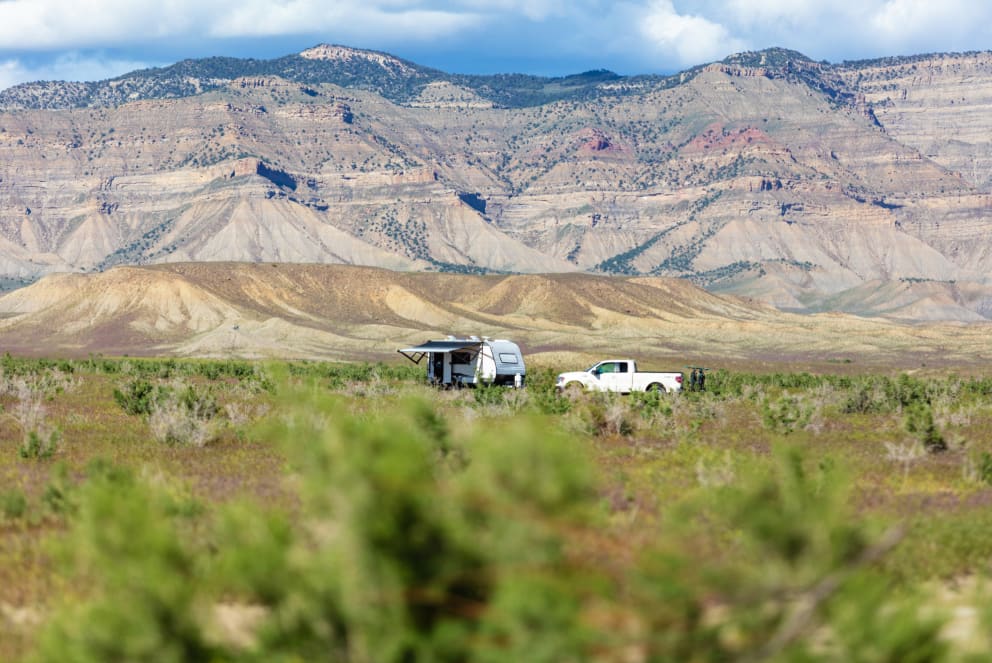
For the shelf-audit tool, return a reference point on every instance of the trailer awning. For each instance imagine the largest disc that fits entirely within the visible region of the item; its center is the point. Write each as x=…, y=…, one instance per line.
x=417, y=353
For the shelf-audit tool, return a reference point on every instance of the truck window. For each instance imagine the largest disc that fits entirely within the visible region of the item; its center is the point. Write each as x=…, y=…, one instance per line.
x=622, y=367
x=607, y=368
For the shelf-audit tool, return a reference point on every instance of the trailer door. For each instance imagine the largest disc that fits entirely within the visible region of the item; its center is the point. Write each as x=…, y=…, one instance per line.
x=437, y=367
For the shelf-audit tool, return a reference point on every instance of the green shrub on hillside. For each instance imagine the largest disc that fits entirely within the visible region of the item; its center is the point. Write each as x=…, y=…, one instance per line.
x=543, y=394
x=919, y=420
x=40, y=444
x=786, y=414
x=136, y=397
x=13, y=504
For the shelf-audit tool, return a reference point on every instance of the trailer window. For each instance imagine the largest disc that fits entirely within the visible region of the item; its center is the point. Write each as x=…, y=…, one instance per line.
x=507, y=358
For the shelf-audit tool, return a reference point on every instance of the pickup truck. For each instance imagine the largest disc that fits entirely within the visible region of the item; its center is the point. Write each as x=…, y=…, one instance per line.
x=619, y=375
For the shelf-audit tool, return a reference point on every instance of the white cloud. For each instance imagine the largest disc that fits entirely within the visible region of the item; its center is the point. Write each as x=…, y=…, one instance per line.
x=57, y=24
x=534, y=10
x=68, y=67
x=631, y=35
x=842, y=29
x=920, y=21
x=757, y=13
x=691, y=38
x=346, y=19
x=54, y=24
x=11, y=73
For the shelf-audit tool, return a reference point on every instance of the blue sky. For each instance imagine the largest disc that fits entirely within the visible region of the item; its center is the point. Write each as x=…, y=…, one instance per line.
x=96, y=39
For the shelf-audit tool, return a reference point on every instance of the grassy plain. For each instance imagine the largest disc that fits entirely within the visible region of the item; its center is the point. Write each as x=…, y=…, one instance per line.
x=834, y=515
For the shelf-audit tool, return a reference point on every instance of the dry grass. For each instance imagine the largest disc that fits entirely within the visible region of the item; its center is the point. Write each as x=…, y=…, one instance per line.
x=171, y=422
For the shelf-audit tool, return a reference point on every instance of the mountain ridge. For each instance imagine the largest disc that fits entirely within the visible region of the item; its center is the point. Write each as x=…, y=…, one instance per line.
x=350, y=68
x=765, y=174
x=394, y=78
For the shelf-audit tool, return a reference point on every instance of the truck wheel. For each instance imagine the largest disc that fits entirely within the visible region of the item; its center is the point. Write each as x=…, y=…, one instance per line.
x=654, y=386
x=572, y=389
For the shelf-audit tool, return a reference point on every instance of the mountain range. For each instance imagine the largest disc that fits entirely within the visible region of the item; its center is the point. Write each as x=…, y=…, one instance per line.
x=860, y=186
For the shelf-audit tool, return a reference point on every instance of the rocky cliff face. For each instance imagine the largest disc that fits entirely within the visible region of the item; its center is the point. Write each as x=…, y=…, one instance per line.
x=767, y=174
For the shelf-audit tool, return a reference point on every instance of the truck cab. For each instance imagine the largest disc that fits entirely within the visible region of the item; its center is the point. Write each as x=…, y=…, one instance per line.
x=614, y=374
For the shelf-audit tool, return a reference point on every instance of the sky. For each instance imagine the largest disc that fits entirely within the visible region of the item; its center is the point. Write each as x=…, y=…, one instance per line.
x=98, y=39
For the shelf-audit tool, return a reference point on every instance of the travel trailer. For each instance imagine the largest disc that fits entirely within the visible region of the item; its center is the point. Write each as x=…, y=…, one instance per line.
x=462, y=362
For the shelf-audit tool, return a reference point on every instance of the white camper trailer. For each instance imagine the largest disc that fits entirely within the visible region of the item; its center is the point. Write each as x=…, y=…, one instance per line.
x=457, y=362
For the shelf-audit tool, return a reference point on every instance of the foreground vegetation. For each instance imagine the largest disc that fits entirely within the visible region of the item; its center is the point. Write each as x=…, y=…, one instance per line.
x=200, y=510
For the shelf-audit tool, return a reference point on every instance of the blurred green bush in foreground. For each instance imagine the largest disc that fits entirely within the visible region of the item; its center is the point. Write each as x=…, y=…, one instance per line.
x=412, y=541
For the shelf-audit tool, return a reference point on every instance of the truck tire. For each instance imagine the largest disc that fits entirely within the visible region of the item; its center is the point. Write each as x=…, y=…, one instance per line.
x=573, y=389
x=654, y=386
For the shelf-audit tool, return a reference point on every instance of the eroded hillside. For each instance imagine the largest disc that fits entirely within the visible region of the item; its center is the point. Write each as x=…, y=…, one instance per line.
x=347, y=313
x=766, y=174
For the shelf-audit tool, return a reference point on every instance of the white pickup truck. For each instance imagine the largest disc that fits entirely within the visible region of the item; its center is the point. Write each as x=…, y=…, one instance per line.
x=619, y=375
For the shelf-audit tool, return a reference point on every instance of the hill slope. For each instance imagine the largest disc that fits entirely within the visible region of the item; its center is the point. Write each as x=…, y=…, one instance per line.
x=343, y=312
